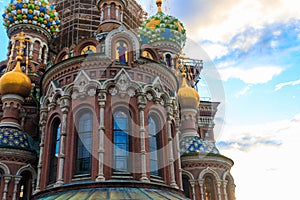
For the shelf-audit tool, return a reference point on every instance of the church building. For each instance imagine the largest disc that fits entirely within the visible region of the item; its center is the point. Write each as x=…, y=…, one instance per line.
x=98, y=102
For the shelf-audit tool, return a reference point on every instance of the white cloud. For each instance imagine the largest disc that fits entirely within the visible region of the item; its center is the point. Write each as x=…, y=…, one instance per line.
x=261, y=153
x=290, y=83
x=221, y=20
x=254, y=75
x=245, y=41
x=215, y=50
x=243, y=91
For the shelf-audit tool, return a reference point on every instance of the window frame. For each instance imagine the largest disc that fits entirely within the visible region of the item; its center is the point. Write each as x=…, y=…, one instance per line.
x=79, y=135
x=125, y=133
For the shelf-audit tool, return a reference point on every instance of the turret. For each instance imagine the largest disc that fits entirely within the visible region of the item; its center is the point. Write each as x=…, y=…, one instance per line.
x=111, y=12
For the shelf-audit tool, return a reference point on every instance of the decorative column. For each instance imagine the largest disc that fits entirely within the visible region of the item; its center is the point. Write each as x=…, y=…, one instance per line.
x=43, y=121
x=122, y=13
x=65, y=104
x=102, y=15
x=31, y=50
x=192, y=182
x=219, y=190
x=16, y=182
x=7, y=179
x=142, y=101
x=117, y=12
x=45, y=57
x=201, y=190
x=101, y=101
x=171, y=158
x=224, y=188
x=177, y=129
x=108, y=11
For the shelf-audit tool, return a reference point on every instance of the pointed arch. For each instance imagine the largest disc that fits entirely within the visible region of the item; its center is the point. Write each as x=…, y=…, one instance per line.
x=27, y=168
x=188, y=174
x=5, y=168
x=208, y=170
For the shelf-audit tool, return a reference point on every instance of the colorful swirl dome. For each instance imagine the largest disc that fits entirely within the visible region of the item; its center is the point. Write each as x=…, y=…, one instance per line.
x=39, y=13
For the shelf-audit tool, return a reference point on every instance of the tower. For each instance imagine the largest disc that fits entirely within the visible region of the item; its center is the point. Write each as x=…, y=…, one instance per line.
x=18, y=154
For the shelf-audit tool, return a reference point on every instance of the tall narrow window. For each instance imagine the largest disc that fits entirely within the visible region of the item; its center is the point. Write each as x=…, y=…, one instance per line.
x=153, y=146
x=25, y=186
x=168, y=60
x=1, y=177
x=121, y=142
x=84, y=144
x=209, y=188
x=186, y=186
x=54, y=151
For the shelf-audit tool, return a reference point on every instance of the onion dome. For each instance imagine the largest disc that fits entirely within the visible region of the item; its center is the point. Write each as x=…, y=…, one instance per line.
x=163, y=30
x=11, y=137
x=15, y=81
x=188, y=97
x=36, y=12
x=197, y=145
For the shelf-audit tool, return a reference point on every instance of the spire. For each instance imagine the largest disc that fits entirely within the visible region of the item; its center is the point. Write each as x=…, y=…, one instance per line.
x=159, y=3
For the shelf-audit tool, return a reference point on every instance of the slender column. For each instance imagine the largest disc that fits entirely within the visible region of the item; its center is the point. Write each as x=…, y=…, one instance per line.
x=101, y=101
x=6, y=181
x=44, y=113
x=31, y=50
x=45, y=57
x=117, y=12
x=40, y=53
x=201, y=190
x=193, y=189
x=108, y=11
x=64, y=109
x=219, y=190
x=122, y=14
x=171, y=158
x=225, y=191
x=142, y=101
x=177, y=129
x=102, y=14
x=16, y=182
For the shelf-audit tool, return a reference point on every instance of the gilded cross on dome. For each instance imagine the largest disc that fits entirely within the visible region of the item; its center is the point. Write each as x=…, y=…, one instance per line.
x=159, y=3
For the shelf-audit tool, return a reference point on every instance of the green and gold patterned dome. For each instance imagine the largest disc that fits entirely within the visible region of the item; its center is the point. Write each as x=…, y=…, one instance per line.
x=162, y=28
x=11, y=137
x=35, y=12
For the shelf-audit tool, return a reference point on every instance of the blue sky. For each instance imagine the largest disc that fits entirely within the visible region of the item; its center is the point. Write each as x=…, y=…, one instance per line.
x=255, y=48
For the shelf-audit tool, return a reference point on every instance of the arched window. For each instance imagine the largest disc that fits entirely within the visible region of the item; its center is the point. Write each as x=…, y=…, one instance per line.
x=84, y=144
x=88, y=49
x=121, y=52
x=147, y=54
x=168, y=60
x=54, y=151
x=186, y=185
x=153, y=145
x=209, y=188
x=25, y=186
x=121, y=141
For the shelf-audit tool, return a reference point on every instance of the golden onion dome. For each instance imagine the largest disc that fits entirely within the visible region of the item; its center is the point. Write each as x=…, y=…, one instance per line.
x=15, y=81
x=188, y=96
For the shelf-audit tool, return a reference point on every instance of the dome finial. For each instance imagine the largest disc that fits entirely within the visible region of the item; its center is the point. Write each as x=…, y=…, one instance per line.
x=15, y=81
x=159, y=3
